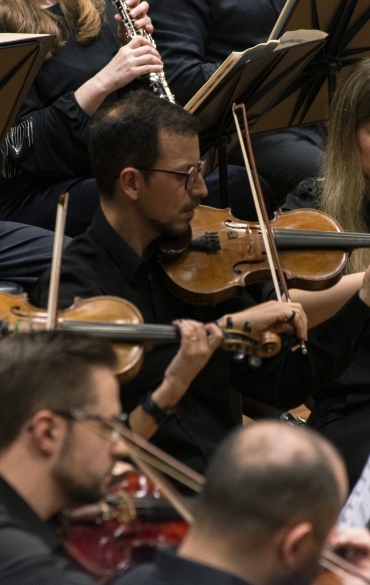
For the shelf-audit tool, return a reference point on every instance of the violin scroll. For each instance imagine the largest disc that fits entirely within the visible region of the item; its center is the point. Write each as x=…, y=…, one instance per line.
x=243, y=344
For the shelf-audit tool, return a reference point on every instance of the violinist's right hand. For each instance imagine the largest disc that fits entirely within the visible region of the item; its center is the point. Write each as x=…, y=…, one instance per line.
x=273, y=316
x=356, y=541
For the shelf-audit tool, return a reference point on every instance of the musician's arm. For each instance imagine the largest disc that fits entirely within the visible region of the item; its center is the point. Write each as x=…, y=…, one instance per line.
x=198, y=343
x=321, y=305
x=287, y=379
x=356, y=541
x=181, y=37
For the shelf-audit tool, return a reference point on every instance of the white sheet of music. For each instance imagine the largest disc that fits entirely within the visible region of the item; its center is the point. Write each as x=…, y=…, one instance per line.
x=356, y=511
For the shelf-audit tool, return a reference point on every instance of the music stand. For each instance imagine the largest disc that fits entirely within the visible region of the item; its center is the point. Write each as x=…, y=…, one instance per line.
x=21, y=56
x=262, y=76
x=307, y=100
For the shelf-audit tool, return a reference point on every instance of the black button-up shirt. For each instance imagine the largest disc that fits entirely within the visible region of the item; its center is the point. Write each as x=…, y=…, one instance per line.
x=100, y=262
x=29, y=550
x=170, y=569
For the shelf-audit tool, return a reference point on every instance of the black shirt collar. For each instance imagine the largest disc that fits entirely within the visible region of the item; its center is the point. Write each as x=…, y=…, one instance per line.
x=169, y=564
x=14, y=507
x=123, y=255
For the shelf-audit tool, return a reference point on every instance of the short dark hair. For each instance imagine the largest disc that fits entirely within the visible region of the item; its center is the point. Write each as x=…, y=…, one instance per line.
x=127, y=135
x=46, y=370
x=251, y=492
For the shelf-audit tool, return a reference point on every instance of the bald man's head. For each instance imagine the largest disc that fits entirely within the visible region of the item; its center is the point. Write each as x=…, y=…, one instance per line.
x=267, y=475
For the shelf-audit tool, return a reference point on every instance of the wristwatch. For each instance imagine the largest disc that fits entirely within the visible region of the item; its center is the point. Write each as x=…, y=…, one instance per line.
x=159, y=414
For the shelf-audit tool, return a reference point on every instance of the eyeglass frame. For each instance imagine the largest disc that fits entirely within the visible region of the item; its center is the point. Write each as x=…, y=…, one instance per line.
x=190, y=174
x=82, y=416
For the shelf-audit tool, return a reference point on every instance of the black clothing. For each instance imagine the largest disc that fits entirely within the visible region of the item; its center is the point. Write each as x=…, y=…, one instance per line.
x=25, y=252
x=101, y=263
x=196, y=38
x=46, y=152
x=29, y=551
x=342, y=409
x=170, y=569
x=49, y=142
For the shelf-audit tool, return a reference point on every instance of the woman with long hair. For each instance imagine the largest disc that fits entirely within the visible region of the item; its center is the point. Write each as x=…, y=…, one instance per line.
x=46, y=151
x=342, y=409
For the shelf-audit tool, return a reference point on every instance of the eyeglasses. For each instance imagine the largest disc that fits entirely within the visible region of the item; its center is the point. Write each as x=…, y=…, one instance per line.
x=191, y=175
x=105, y=429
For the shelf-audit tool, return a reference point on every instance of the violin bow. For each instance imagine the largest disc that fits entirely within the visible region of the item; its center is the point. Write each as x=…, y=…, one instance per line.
x=52, y=308
x=264, y=221
x=331, y=561
x=154, y=462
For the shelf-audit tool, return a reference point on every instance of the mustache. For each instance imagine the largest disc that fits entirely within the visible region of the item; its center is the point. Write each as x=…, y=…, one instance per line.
x=191, y=206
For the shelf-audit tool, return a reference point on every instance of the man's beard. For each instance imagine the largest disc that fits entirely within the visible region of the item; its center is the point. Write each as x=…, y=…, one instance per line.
x=168, y=229
x=76, y=493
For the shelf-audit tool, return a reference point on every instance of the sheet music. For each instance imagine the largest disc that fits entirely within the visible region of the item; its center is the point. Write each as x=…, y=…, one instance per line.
x=356, y=511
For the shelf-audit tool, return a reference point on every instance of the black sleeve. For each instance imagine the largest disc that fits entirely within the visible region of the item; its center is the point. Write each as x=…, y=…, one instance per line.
x=50, y=137
x=26, y=560
x=287, y=379
x=50, y=140
x=181, y=35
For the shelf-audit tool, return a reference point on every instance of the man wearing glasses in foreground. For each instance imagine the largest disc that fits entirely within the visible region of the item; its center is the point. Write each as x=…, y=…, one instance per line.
x=58, y=395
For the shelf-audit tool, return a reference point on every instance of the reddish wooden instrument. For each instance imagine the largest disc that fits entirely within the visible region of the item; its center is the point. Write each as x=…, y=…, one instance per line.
x=126, y=529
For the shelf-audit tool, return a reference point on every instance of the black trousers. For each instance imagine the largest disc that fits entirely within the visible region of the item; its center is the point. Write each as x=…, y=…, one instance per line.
x=25, y=252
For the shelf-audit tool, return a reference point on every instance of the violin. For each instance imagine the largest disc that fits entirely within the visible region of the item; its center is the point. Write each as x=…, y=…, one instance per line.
x=125, y=529
x=221, y=255
x=120, y=321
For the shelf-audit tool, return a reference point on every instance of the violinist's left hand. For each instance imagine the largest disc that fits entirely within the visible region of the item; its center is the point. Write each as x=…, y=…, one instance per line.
x=138, y=11
x=357, y=543
x=273, y=316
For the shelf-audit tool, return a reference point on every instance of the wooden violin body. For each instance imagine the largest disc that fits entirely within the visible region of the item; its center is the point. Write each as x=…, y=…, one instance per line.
x=109, y=310
x=222, y=254
x=122, y=323
x=108, y=544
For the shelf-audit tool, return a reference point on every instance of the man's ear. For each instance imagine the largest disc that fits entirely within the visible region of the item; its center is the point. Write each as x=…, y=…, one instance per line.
x=46, y=431
x=296, y=544
x=129, y=181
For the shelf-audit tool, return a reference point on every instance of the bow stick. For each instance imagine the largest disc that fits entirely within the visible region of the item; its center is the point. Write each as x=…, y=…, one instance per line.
x=266, y=231
x=60, y=222
x=154, y=462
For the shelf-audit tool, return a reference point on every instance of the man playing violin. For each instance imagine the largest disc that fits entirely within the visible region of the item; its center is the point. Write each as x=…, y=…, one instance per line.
x=58, y=394
x=145, y=154
x=272, y=494
x=52, y=451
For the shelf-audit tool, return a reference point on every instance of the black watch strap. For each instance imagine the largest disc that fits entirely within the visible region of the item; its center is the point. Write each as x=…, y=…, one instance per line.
x=159, y=414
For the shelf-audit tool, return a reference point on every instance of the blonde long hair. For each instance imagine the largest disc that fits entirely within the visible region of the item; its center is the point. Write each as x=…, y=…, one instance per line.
x=346, y=189
x=84, y=18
